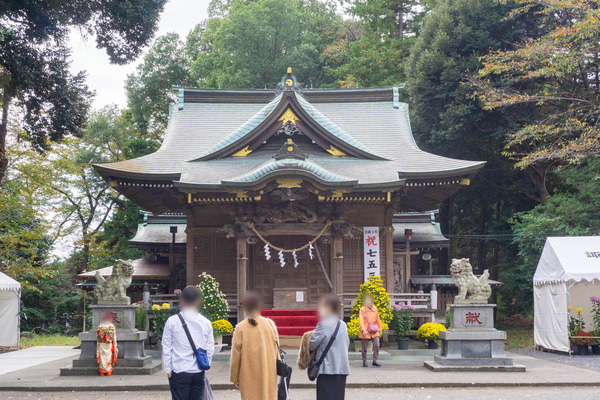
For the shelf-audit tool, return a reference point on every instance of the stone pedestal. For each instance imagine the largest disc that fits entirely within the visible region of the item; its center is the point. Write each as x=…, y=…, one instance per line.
x=472, y=343
x=132, y=358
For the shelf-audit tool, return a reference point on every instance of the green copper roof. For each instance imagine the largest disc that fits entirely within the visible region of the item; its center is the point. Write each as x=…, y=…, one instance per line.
x=330, y=126
x=325, y=123
x=246, y=128
x=290, y=166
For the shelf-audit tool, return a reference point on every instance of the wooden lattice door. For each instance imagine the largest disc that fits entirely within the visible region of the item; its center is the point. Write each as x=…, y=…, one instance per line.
x=268, y=274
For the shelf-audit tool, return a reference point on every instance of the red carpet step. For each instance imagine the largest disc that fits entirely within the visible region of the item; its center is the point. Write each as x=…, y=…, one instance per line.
x=292, y=322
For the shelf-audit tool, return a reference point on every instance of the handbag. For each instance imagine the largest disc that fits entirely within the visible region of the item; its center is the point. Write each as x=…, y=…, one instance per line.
x=313, y=366
x=200, y=354
x=207, y=392
x=372, y=327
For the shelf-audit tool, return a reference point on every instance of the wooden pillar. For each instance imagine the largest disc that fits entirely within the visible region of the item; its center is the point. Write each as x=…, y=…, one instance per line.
x=189, y=262
x=242, y=273
x=337, y=272
x=389, y=259
x=407, y=263
x=337, y=252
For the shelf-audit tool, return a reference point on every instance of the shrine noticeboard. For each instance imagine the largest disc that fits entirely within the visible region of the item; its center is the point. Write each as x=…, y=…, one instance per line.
x=371, y=251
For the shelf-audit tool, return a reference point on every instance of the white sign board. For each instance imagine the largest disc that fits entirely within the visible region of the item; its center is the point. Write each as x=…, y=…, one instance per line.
x=371, y=251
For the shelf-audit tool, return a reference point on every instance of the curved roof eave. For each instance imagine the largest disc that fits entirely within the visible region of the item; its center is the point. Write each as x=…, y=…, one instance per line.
x=469, y=169
x=108, y=172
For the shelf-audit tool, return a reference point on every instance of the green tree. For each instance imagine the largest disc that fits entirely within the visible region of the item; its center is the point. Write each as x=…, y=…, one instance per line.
x=254, y=42
x=79, y=198
x=150, y=88
x=448, y=120
x=390, y=18
x=572, y=210
x=34, y=62
x=558, y=74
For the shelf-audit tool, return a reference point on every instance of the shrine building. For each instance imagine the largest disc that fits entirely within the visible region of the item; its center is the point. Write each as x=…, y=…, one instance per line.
x=290, y=192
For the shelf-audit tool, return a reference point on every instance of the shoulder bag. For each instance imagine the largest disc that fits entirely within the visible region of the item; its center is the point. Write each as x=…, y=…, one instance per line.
x=313, y=366
x=200, y=354
x=372, y=327
x=282, y=368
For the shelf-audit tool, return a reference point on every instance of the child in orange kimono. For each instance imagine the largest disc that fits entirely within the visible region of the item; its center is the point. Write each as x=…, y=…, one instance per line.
x=106, y=345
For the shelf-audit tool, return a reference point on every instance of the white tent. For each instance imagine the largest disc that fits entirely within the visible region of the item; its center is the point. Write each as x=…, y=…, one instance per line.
x=568, y=274
x=10, y=299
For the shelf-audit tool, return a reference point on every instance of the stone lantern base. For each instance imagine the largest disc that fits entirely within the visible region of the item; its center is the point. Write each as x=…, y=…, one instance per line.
x=472, y=343
x=132, y=358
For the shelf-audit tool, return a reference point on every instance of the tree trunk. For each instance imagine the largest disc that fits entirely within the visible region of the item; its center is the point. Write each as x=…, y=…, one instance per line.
x=3, y=132
x=481, y=247
x=85, y=254
x=445, y=224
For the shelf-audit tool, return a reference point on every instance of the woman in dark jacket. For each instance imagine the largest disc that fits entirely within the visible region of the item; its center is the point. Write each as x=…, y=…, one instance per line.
x=331, y=383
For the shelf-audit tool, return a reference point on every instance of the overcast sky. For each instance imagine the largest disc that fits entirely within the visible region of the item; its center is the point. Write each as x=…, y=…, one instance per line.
x=108, y=80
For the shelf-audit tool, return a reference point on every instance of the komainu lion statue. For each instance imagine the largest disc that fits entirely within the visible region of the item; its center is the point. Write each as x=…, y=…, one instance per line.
x=467, y=283
x=114, y=288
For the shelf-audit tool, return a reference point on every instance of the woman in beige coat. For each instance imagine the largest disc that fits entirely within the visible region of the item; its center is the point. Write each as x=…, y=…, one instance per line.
x=254, y=353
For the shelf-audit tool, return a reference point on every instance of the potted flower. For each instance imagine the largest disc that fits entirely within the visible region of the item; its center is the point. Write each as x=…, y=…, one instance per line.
x=402, y=322
x=582, y=340
x=354, y=331
x=430, y=331
x=161, y=314
x=221, y=327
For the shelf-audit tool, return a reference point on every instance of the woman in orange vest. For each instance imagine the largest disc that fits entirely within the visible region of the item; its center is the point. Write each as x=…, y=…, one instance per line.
x=370, y=328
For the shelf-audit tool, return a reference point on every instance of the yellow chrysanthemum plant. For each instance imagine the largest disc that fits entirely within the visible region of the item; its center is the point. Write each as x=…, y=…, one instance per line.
x=430, y=331
x=381, y=300
x=161, y=314
x=221, y=327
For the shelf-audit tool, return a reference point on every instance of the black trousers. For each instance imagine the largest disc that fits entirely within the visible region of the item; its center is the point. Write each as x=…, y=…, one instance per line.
x=331, y=387
x=187, y=386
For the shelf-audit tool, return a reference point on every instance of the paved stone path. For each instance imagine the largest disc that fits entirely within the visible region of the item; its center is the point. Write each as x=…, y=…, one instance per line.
x=33, y=356
x=404, y=370
x=564, y=393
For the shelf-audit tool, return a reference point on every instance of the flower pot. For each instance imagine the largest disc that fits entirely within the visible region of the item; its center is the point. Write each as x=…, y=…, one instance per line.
x=403, y=344
x=432, y=344
x=218, y=339
x=596, y=348
x=582, y=350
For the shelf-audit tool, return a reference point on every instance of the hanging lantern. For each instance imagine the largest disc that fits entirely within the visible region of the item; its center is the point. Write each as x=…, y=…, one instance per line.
x=295, y=260
x=267, y=252
x=281, y=259
x=310, y=251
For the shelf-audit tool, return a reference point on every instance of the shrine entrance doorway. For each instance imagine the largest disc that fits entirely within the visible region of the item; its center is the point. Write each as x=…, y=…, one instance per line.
x=289, y=287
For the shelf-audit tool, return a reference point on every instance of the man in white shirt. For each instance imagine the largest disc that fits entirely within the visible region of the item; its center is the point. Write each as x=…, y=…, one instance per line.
x=186, y=380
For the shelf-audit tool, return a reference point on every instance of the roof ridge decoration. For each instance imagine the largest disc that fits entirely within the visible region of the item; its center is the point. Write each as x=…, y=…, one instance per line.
x=288, y=113
x=290, y=150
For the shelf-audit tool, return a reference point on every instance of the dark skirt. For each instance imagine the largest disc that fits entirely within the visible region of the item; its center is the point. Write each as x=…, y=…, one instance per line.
x=331, y=387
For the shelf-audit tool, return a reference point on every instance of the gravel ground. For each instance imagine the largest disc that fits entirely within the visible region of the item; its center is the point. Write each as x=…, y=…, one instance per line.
x=576, y=393
x=590, y=361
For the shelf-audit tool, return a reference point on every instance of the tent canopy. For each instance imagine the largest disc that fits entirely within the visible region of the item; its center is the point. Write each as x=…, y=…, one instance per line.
x=569, y=259
x=8, y=283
